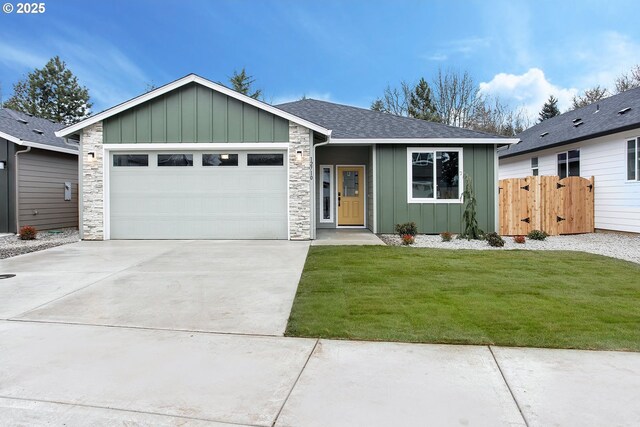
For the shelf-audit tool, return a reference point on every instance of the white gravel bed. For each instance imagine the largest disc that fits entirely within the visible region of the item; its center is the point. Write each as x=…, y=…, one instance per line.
x=622, y=246
x=11, y=245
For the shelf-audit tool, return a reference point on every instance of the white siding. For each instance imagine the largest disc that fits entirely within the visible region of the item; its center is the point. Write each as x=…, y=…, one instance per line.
x=617, y=201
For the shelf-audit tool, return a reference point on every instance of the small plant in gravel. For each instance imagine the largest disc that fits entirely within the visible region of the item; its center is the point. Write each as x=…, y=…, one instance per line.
x=408, y=239
x=446, y=236
x=519, y=239
x=408, y=228
x=494, y=240
x=28, y=232
x=537, y=235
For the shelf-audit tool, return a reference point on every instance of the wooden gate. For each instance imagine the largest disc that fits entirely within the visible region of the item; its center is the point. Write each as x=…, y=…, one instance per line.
x=547, y=203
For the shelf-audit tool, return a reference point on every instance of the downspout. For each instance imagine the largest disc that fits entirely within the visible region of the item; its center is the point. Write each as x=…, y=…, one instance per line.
x=314, y=212
x=18, y=190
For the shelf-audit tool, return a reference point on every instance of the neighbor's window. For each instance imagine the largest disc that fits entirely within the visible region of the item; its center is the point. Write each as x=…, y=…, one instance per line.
x=175, y=159
x=434, y=175
x=633, y=159
x=569, y=163
x=534, y=166
x=130, y=160
x=265, y=159
x=219, y=160
x=326, y=190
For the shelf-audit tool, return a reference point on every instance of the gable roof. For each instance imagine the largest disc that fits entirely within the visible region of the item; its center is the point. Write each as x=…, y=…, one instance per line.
x=604, y=117
x=353, y=123
x=25, y=129
x=191, y=78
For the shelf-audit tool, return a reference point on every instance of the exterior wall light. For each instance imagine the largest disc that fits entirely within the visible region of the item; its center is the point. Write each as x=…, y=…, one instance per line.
x=299, y=156
x=91, y=156
x=3, y=164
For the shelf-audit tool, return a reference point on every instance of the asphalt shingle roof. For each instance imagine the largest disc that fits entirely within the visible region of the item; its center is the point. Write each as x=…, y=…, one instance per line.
x=347, y=122
x=600, y=118
x=11, y=122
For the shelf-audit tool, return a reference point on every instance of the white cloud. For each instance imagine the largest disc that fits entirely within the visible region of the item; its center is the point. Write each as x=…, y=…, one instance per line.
x=281, y=99
x=529, y=91
x=461, y=47
x=19, y=58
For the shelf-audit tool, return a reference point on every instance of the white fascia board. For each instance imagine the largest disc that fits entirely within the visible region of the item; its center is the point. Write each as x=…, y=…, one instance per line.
x=191, y=78
x=409, y=141
x=47, y=147
x=201, y=146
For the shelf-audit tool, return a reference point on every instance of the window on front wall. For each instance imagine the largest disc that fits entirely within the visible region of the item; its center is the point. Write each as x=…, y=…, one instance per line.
x=326, y=191
x=633, y=160
x=534, y=166
x=569, y=163
x=434, y=175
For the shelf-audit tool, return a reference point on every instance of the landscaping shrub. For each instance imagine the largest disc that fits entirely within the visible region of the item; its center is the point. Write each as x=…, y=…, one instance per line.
x=494, y=240
x=537, y=235
x=408, y=239
x=471, y=229
x=446, y=236
x=409, y=228
x=519, y=239
x=28, y=233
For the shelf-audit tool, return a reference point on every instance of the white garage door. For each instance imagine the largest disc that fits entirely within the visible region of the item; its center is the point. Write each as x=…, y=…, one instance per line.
x=198, y=195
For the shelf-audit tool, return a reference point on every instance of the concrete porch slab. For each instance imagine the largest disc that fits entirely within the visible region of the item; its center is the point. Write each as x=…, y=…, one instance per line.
x=383, y=384
x=573, y=387
x=211, y=377
x=345, y=236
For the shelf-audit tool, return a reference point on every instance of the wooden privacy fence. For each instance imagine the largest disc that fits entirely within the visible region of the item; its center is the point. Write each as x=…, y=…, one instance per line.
x=547, y=203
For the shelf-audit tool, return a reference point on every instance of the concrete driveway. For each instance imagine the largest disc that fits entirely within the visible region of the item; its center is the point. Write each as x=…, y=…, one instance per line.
x=189, y=333
x=244, y=287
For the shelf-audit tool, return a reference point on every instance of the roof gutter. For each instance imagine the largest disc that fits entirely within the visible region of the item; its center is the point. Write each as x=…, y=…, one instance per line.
x=39, y=145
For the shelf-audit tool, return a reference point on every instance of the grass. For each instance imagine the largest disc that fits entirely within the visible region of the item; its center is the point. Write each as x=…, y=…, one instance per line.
x=509, y=298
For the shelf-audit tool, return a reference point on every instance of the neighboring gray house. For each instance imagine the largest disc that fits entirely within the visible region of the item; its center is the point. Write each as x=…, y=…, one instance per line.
x=600, y=140
x=38, y=174
x=197, y=160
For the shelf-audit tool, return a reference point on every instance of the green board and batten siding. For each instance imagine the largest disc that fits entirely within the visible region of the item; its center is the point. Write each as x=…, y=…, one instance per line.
x=192, y=114
x=392, y=206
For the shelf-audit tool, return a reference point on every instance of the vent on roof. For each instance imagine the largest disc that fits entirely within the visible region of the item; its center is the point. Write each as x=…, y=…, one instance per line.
x=29, y=114
x=543, y=134
x=577, y=120
x=624, y=110
x=597, y=108
x=577, y=123
x=38, y=131
x=23, y=121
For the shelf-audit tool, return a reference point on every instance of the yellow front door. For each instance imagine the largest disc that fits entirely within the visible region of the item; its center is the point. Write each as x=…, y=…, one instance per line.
x=351, y=195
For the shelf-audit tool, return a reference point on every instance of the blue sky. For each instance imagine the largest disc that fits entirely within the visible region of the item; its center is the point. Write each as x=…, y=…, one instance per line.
x=342, y=51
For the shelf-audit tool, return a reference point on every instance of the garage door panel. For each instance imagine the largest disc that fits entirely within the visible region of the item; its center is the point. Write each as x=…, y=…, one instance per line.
x=197, y=202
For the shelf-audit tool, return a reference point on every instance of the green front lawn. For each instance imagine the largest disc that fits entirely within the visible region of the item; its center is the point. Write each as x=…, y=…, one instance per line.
x=509, y=298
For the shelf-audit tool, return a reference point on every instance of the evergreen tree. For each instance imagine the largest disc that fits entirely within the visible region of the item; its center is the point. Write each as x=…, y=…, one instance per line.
x=241, y=82
x=377, y=105
x=549, y=109
x=421, y=103
x=53, y=93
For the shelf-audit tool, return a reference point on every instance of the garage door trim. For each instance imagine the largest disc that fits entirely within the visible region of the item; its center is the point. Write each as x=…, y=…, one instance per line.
x=149, y=148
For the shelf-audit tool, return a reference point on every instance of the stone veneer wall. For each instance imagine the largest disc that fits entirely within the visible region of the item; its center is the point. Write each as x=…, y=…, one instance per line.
x=92, y=184
x=299, y=183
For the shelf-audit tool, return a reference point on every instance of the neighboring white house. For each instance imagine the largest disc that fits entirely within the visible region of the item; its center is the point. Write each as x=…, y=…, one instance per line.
x=600, y=140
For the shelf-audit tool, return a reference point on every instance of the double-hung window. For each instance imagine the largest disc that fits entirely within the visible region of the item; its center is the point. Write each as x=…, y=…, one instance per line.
x=434, y=175
x=534, y=166
x=633, y=159
x=569, y=163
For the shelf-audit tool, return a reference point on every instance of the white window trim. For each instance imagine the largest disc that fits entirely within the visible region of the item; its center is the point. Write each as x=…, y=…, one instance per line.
x=331, y=189
x=537, y=168
x=635, y=158
x=434, y=200
x=567, y=153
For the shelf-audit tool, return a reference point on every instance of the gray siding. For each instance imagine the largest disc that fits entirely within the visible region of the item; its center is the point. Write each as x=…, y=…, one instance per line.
x=7, y=188
x=391, y=175
x=194, y=113
x=343, y=156
x=41, y=179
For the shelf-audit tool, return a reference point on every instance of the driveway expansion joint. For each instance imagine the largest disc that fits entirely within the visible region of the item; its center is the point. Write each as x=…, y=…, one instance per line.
x=513, y=396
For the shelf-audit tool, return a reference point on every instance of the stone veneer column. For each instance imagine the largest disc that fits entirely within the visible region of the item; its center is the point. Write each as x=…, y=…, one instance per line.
x=299, y=183
x=92, y=184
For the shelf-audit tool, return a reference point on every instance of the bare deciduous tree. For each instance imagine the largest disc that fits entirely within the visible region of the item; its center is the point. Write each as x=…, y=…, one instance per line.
x=394, y=100
x=589, y=96
x=628, y=80
x=456, y=96
x=493, y=116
